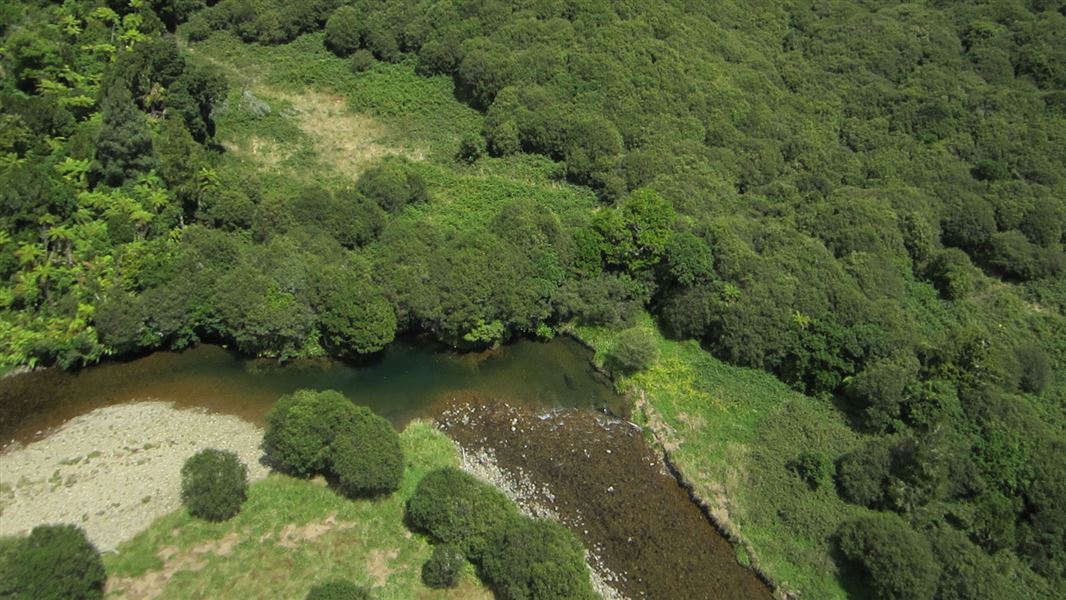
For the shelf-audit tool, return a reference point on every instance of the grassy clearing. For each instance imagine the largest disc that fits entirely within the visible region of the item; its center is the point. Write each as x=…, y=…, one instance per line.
x=290, y=535
x=731, y=431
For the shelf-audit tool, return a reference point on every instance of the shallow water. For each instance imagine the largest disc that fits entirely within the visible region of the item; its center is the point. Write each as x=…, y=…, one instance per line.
x=400, y=384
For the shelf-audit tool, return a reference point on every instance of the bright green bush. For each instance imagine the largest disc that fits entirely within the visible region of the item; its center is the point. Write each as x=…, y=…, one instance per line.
x=214, y=484
x=365, y=454
x=338, y=589
x=444, y=566
x=300, y=430
x=530, y=558
x=55, y=562
x=455, y=508
x=634, y=350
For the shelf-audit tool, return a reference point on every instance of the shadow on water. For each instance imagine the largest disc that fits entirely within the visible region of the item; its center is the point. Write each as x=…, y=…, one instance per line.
x=399, y=383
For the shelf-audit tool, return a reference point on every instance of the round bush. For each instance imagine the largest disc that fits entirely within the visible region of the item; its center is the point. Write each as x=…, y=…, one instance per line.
x=529, y=558
x=344, y=31
x=456, y=508
x=361, y=61
x=634, y=350
x=214, y=484
x=300, y=430
x=392, y=184
x=897, y=562
x=444, y=567
x=55, y=562
x=338, y=589
x=365, y=455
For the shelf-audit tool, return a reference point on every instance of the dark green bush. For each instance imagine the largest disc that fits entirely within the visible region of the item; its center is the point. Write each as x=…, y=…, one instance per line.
x=338, y=589
x=365, y=454
x=812, y=467
x=344, y=31
x=393, y=184
x=530, y=558
x=214, y=484
x=361, y=61
x=444, y=567
x=301, y=428
x=896, y=562
x=455, y=508
x=55, y=562
x=863, y=473
x=634, y=350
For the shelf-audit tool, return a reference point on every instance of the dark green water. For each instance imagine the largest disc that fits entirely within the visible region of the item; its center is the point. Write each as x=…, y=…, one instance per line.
x=405, y=382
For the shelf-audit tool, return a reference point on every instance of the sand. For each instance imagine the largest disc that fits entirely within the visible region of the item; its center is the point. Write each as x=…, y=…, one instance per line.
x=115, y=470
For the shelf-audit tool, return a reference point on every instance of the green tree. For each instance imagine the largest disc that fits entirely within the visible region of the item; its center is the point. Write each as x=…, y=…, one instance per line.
x=444, y=566
x=897, y=563
x=214, y=484
x=56, y=562
x=456, y=508
x=344, y=31
x=353, y=315
x=530, y=558
x=301, y=428
x=124, y=144
x=365, y=454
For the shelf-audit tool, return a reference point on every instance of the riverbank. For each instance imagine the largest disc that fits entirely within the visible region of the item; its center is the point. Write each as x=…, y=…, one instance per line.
x=596, y=475
x=729, y=434
x=115, y=470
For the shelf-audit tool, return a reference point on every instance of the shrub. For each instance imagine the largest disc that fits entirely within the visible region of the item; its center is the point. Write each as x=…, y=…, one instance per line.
x=455, y=508
x=471, y=147
x=863, y=473
x=338, y=589
x=55, y=562
x=392, y=184
x=634, y=350
x=528, y=558
x=444, y=566
x=812, y=467
x=365, y=454
x=300, y=430
x=361, y=61
x=214, y=484
x=343, y=31
x=951, y=273
x=897, y=562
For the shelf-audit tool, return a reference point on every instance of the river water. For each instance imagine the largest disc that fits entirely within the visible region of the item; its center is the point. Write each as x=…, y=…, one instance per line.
x=409, y=380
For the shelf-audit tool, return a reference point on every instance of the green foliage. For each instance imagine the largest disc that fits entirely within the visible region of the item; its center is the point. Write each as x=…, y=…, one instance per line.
x=455, y=508
x=338, y=589
x=365, y=454
x=528, y=558
x=896, y=561
x=301, y=429
x=54, y=562
x=124, y=144
x=814, y=468
x=393, y=184
x=343, y=31
x=634, y=350
x=214, y=484
x=444, y=566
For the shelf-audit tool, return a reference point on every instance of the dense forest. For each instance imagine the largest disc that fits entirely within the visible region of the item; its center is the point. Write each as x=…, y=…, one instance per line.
x=865, y=199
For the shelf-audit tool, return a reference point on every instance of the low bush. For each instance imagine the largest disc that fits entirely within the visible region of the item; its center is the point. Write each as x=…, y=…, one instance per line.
x=529, y=558
x=392, y=184
x=338, y=589
x=214, y=484
x=365, y=455
x=444, y=567
x=455, y=508
x=634, y=350
x=55, y=562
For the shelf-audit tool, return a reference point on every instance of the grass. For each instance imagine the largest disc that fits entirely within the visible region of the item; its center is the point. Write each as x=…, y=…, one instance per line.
x=731, y=432
x=290, y=535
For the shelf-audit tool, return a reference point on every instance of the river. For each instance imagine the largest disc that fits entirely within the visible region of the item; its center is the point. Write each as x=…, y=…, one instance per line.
x=553, y=384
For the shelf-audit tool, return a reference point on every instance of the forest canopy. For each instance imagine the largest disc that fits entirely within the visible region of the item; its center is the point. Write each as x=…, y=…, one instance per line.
x=867, y=200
